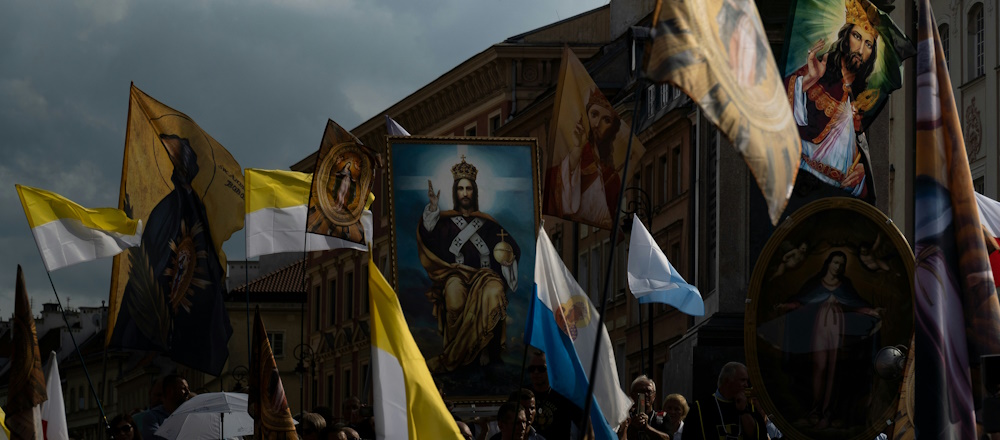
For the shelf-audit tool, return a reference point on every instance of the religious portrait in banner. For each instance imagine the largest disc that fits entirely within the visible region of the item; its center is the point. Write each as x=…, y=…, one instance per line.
x=829, y=291
x=842, y=60
x=342, y=179
x=464, y=216
x=589, y=139
x=166, y=295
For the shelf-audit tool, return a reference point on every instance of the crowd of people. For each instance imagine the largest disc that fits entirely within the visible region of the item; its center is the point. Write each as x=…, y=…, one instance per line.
x=535, y=412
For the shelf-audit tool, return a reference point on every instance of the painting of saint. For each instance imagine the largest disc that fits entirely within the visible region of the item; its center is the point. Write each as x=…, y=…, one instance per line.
x=463, y=267
x=842, y=61
x=828, y=293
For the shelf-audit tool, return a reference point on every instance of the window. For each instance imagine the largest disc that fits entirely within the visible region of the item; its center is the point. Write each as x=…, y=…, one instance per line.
x=944, y=32
x=494, y=124
x=595, y=273
x=678, y=177
x=661, y=170
x=650, y=101
x=364, y=291
x=277, y=341
x=345, y=385
x=329, y=390
x=647, y=178
x=584, y=230
x=664, y=94
x=317, y=311
x=367, y=380
x=979, y=184
x=977, y=41
x=557, y=241
x=332, y=295
x=348, y=296
x=83, y=398
x=583, y=264
x=621, y=275
x=470, y=130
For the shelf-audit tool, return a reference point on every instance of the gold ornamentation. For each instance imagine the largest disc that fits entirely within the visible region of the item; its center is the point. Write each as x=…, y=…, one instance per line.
x=503, y=252
x=862, y=13
x=464, y=170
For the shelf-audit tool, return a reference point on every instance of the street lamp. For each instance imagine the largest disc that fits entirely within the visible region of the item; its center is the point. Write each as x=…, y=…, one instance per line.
x=304, y=354
x=239, y=373
x=639, y=203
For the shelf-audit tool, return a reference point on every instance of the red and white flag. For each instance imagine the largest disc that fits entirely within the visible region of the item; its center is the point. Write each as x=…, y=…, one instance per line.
x=54, y=410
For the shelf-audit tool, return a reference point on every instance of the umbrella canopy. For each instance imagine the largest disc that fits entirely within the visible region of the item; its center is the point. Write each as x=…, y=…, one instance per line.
x=209, y=416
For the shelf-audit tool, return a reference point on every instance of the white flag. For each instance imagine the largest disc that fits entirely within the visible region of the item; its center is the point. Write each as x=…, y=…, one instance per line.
x=54, y=410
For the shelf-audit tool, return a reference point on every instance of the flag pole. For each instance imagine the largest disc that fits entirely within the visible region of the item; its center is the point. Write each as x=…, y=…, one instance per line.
x=302, y=326
x=246, y=292
x=93, y=391
x=607, y=273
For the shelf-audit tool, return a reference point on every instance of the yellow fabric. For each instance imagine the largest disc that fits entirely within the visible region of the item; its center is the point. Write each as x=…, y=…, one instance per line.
x=146, y=180
x=42, y=207
x=428, y=418
x=3, y=425
x=276, y=189
x=712, y=50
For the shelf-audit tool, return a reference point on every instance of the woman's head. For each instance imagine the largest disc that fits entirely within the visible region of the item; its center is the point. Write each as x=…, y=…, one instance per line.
x=123, y=428
x=835, y=263
x=676, y=406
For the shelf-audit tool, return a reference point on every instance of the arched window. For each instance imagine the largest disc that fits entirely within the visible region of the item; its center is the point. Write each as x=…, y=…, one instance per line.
x=945, y=32
x=977, y=42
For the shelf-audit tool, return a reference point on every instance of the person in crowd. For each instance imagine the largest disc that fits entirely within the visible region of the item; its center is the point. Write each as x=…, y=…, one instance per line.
x=175, y=392
x=123, y=428
x=464, y=429
x=310, y=426
x=644, y=423
x=555, y=415
x=676, y=407
x=727, y=413
x=526, y=399
x=349, y=410
x=512, y=422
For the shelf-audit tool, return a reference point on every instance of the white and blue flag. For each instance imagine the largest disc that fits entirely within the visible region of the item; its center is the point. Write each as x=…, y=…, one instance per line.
x=652, y=278
x=562, y=322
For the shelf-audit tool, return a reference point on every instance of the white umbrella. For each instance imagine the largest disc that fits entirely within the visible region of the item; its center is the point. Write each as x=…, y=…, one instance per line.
x=209, y=416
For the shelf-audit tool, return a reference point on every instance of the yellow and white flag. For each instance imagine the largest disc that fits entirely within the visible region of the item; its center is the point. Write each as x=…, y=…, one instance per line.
x=67, y=233
x=407, y=403
x=276, y=215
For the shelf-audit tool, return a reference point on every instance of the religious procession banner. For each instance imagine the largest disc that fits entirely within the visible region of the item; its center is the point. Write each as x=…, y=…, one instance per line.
x=589, y=142
x=342, y=180
x=26, y=383
x=841, y=61
x=957, y=312
x=166, y=295
x=831, y=288
x=268, y=404
x=464, y=213
x=716, y=51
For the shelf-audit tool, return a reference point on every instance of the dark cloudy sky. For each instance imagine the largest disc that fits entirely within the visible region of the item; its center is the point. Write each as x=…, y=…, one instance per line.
x=262, y=77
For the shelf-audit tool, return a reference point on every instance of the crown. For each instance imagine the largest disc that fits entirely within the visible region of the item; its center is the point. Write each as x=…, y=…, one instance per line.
x=598, y=98
x=863, y=13
x=464, y=170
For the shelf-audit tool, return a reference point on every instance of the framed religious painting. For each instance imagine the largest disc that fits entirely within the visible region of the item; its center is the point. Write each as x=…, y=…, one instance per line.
x=831, y=289
x=464, y=215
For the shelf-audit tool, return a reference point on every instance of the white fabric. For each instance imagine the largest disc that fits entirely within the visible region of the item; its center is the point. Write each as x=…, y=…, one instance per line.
x=390, y=396
x=557, y=288
x=989, y=214
x=54, y=409
x=393, y=128
x=209, y=416
x=66, y=242
x=274, y=230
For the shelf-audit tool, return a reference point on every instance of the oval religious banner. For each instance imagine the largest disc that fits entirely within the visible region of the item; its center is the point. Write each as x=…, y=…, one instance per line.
x=832, y=287
x=341, y=182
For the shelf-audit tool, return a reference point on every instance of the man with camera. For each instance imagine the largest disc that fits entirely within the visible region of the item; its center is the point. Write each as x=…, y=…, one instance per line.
x=727, y=414
x=644, y=423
